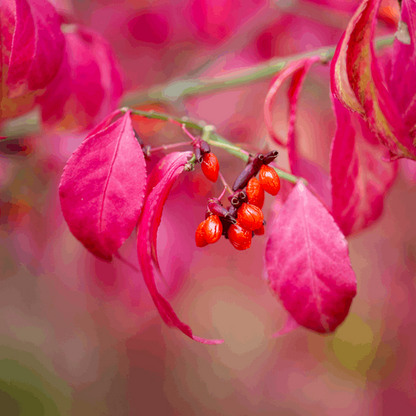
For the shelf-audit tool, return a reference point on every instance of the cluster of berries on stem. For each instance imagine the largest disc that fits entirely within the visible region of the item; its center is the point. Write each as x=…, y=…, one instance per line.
x=243, y=218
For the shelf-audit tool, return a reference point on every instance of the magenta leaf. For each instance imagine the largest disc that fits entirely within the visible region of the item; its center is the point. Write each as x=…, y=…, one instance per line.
x=32, y=46
x=308, y=265
x=357, y=81
x=87, y=87
x=403, y=68
x=360, y=178
x=102, y=188
x=161, y=180
x=316, y=176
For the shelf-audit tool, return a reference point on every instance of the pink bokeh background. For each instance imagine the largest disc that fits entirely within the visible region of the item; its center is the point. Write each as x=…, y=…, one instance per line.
x=83, y=337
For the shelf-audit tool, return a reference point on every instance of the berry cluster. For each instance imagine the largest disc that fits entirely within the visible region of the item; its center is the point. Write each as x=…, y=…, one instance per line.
x=243, y=218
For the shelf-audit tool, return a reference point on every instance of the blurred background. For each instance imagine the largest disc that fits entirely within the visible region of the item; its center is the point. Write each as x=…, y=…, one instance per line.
x=79, y=336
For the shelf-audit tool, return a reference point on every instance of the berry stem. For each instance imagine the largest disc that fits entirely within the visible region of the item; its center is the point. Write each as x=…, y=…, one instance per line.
x=222, y=193
x=189, y=134
x=226, y=186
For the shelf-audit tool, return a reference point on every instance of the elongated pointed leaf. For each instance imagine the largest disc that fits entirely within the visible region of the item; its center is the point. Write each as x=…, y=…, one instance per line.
x=280, y=78
x=360, y=177
x=308, y=265
x=402, y=79
x=299, y=165
x=357, y=81
x=102, y=188
x=162, y=178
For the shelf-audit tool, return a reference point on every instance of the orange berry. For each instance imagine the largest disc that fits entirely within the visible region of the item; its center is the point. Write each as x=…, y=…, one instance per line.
x=212, y=229
x=239, y=237
x=269, y=180
x=200, y=239
x=250, y=216
x=210, y=166
x=255, y=193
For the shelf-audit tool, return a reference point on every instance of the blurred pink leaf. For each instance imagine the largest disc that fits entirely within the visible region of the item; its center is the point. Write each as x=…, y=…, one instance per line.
x=166, y=172
x=102, y=188
x=289, y=326
x=308, y=265
x=280, y=78
x=214, y=21
x=357, y=81
x=403, y=69
x=360, y=178
x=32, y=46
x=317, y=177
x=87, y=87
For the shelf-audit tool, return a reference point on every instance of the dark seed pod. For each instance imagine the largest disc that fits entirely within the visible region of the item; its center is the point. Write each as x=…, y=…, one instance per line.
x=232, y=210
x=225, y=226
x=204, y=146
x=242, y=196
x=242, y=179
x=269, y=157
x=235, y=199
x=215, y=206
x=248, y=172
x=198, y=154
x=258, y=162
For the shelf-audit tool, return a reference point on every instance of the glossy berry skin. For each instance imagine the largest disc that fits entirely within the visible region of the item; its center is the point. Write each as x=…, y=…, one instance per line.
x=200, y=239
x=269, y=180
x=250, y=217
x=239, y=237
x=212, y=229
x=255, y=193
x=210, y=166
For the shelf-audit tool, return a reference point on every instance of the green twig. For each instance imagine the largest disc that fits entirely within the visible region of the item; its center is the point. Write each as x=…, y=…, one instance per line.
x=189, y=87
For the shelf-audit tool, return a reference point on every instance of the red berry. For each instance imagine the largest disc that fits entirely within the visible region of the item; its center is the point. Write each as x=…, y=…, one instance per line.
x=269, y=180
x=200, y=239
x=212, y=229
x=255, y=193
x=250, y=216
x=210, y=166
x=239, y=237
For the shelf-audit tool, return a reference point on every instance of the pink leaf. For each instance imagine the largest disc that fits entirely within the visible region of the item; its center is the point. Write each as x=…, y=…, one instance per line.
x=403, y=68
x=102, y=188
x=300, y=166
x=38, y=45
x=31, y=52
x=360, y=178
x=281, y=77
x=87, y=87
x=358, y=82
x=289, y=326
x=167, y=171
x=308, y=265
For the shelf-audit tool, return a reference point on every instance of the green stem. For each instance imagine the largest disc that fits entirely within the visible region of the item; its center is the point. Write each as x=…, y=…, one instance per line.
x=189, y=87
